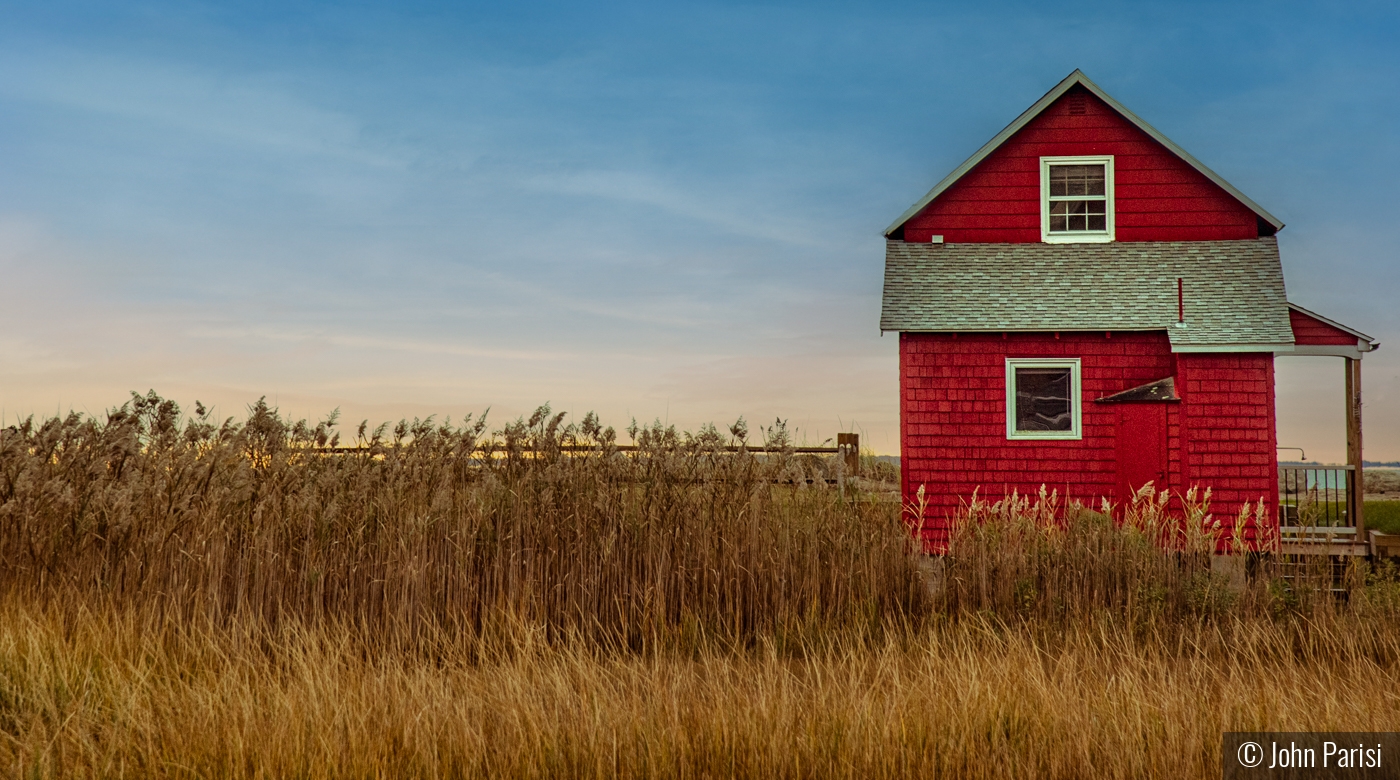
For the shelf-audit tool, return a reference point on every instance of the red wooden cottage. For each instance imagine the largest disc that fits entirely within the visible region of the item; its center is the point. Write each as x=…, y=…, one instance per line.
x=1083, y=305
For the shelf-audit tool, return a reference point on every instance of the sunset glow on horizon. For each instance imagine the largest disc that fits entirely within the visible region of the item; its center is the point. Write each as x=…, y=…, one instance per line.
x=652, y=213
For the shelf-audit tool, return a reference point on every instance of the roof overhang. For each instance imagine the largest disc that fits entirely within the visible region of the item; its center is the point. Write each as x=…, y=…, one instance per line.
x=1037, y=329
x=1077, y=77
x=1323, y=350
x=1364, y=343
x=1277, y=349
x=1234, y=301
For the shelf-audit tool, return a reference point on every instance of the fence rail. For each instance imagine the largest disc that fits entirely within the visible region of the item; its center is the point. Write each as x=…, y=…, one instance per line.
x=847, y=446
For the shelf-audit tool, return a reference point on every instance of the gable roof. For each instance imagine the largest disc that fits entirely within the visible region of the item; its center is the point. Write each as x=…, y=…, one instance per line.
x=1077, y=78
x=1233, y=292
x=1360, y=337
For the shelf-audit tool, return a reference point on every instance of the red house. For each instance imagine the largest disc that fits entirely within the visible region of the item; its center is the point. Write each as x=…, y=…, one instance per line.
x=1082, y=304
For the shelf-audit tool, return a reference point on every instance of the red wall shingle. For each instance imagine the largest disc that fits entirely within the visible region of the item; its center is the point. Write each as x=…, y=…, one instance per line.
x=1310, y=330
x=1230, y=440
x=1158, y=197
x=953, y=421
x=953, y=411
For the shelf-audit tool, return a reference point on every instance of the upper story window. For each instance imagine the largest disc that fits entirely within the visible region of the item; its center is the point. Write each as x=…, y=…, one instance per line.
x=1076, y=199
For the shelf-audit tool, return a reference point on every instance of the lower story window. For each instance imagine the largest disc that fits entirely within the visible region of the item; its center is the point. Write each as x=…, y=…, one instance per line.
x=1042, y=398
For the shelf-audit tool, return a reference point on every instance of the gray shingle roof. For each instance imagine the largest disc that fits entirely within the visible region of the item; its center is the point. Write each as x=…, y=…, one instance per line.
x=1234, y=290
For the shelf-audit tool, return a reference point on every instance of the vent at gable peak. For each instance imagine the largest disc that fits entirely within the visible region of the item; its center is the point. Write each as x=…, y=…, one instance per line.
x=1078, y=104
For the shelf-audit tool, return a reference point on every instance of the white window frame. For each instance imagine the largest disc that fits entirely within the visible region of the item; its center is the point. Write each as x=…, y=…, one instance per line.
x=1080, y=236
x=1076, y=399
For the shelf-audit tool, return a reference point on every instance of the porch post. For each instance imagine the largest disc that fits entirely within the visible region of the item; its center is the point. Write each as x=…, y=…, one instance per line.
x=1356, y=480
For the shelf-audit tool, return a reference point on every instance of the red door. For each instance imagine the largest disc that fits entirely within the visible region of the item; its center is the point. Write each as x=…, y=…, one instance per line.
x=1142, y=448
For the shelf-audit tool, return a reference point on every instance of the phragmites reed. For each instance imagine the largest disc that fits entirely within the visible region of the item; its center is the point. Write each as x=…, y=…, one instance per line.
x=1158, y=556
x=189, y=597
x=436, y=525
x=547, y=523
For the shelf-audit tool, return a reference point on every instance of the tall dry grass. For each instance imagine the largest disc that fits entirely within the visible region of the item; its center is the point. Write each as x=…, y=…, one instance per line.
x=200, y=598
x=440, y=526
x=109, y=694
x=1156, y=558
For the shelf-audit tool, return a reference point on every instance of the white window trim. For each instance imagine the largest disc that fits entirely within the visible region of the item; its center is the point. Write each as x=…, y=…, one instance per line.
x=1076, y=399
x=1080, y=237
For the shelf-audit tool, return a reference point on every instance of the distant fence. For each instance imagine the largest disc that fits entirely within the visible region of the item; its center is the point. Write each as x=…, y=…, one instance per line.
x=847, y=447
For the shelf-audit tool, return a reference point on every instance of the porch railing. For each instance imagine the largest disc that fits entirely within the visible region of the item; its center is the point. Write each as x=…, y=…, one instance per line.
x=1317, y=500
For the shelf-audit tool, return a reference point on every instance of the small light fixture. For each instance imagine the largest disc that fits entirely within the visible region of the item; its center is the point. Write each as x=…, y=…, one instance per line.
x=935, y=239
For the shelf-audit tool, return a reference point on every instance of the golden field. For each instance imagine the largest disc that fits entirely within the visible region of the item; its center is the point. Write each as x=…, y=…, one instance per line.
x=188, y=597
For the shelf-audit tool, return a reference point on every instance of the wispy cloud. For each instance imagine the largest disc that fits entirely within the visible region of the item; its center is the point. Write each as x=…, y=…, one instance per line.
x=238, y=108
x=722, y=211
x=660, y=210
x=368, y=344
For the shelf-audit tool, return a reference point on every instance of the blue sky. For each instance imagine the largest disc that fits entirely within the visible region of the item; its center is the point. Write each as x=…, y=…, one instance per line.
x=660, y=211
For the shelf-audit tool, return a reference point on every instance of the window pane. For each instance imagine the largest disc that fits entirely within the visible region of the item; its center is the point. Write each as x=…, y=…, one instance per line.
x=1067, y=215
x=1077, y=180
x=1043, y=399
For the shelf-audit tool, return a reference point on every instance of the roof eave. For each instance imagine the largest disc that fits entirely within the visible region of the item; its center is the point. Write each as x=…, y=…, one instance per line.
x=1025, y=329
x=1077, y=77
x=987, y=148
x=1231, y=347
x=1339, y=326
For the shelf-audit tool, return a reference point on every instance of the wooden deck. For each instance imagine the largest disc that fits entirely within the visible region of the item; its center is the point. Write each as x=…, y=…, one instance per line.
x=1377, y=545
x=1332, y=548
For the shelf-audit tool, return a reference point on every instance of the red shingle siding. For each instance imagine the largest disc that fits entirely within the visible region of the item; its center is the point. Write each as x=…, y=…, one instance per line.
x=953, y=422
x=1158, y=197
x=1230, y=443
x=1310, y=330
x=953, y=417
